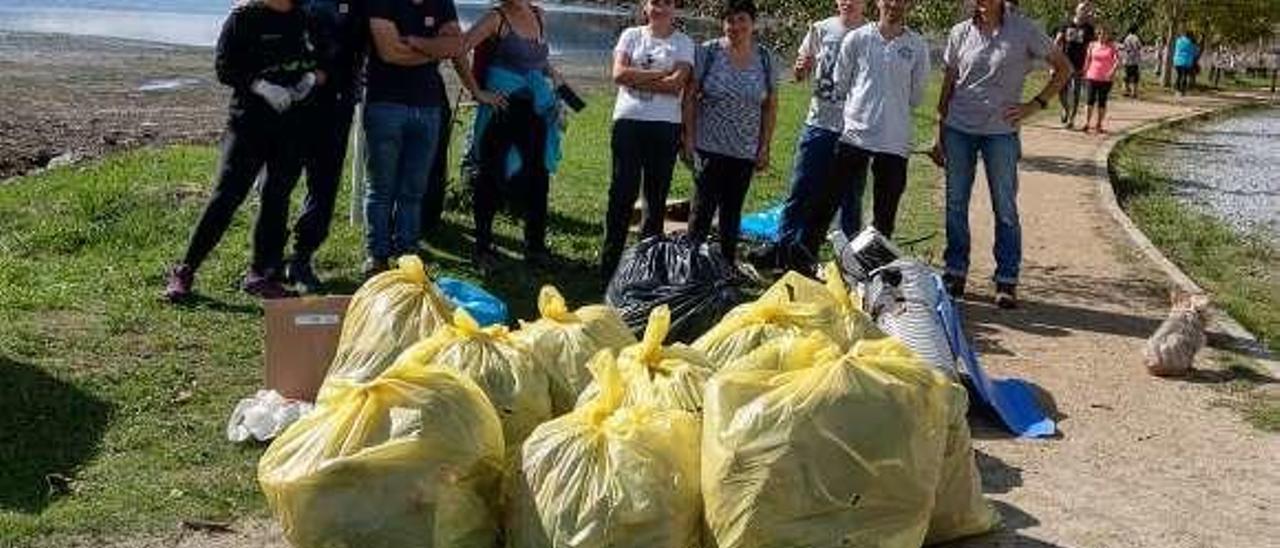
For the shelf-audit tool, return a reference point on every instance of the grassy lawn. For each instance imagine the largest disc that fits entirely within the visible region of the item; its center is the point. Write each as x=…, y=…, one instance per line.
x=1239, y=270
x=114, y=402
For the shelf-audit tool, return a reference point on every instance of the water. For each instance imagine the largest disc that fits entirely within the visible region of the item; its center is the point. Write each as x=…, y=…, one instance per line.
x=572, y=29
x=1231, y=167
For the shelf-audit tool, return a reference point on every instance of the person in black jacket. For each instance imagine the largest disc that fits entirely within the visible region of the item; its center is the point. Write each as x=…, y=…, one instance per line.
x=265, y=56
x=339, y=30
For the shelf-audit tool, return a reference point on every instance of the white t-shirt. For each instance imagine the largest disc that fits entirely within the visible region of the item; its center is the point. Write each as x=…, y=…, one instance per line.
x=882, y=80
x=647, y=51
x=822, y=42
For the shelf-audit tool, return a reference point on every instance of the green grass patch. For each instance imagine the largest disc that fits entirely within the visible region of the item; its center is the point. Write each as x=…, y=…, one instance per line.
x=1238, y=270
x=114, y=402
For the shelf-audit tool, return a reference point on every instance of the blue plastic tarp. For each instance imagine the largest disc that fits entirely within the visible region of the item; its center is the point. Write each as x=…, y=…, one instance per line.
x=482, y=305
x=1013, y=400
x=763, y=226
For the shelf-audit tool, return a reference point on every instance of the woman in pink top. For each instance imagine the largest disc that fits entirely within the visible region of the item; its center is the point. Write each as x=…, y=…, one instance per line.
x=1099, y=66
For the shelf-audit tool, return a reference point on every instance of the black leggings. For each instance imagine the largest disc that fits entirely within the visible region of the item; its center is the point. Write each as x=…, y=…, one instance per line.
x=520, y=127
x=849, y=178
x=326, y=152
x=247, y=146
x=1098, y=93
x=644, y=155
x=1183, y=80
x=720, y=186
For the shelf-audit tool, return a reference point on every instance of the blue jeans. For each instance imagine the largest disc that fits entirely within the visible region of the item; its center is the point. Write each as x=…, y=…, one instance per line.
x=401, y=141
x=1000, y=154
x=815, y=150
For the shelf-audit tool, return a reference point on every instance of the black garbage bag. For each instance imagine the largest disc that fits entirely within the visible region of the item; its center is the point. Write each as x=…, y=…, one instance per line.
x=689, y=276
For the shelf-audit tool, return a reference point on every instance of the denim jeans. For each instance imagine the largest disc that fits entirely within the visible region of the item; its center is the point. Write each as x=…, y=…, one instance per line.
x=815, y=150
x=1000, y=154
x=1069, y=96
x=401, y=141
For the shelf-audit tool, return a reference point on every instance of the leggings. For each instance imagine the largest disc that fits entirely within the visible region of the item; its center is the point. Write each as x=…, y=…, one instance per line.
x=520, y=127
x=247, y=146
x=721, y=186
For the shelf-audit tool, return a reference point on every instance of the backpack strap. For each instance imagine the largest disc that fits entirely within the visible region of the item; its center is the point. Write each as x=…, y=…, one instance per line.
x=715, y=46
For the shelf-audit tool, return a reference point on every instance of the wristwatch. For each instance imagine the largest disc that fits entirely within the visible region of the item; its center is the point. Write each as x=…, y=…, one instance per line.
x=1039, y=101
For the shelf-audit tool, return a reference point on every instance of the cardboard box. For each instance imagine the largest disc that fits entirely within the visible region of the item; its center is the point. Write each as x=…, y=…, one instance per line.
x=301, y=337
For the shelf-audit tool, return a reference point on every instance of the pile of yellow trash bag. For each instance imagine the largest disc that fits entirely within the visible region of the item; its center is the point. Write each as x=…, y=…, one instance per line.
x=502, y=366
x=792, y=306
x=794, y=422
x=657, y=375
x=566, y=340
x=410, y=459
x=806, y=445
x=610, y=475
x=387, y=314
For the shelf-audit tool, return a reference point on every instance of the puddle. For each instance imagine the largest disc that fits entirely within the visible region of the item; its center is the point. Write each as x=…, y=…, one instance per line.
x=168, y=84
x=1230, y=167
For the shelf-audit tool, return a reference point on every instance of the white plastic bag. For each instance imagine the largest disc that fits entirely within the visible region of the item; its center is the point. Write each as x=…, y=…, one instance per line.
x=264, y=416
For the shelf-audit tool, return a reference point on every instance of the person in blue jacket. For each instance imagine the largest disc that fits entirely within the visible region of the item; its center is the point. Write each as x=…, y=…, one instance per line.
x=1185, y=52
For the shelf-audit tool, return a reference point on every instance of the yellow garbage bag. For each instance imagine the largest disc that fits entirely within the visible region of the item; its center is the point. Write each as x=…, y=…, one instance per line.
x=793, y=306
x=565, y=341
x=666, y=377
x=857, y=323
x=960, y=511
x=813, y=447
x=387, y=314
x=503, y=368
x=411, y=459
x=609, y=475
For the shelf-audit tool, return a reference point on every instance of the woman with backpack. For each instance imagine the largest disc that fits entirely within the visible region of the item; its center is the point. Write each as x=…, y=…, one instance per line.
x=730, y=109
x=651, y=65
x=515, y=86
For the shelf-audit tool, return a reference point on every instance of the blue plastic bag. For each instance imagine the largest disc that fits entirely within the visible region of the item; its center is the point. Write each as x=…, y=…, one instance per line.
x=482, y=305
x=763, y=226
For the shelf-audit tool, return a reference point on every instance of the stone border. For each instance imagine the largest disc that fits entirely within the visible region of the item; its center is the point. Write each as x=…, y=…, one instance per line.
x=1242, y=340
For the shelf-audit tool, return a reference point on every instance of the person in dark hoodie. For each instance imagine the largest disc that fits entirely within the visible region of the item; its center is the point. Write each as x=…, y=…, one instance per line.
x=339, y=31
x=265, y=56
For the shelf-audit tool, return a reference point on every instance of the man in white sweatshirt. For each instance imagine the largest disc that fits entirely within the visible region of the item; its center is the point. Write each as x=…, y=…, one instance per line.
x=880, y=74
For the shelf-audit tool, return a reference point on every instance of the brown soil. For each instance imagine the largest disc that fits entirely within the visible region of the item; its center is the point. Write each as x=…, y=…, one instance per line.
x=79, y=97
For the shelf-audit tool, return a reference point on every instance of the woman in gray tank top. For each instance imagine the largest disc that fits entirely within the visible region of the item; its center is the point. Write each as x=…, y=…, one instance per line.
x=510, y=37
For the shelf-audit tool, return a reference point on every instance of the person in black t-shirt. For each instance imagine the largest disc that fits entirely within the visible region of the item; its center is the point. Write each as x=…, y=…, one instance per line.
x=402, y=118
x=265, y=56
x=339, y=31
x=1073, y=39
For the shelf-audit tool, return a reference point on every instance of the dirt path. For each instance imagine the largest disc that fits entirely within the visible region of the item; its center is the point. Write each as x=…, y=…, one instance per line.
x=1141, y=461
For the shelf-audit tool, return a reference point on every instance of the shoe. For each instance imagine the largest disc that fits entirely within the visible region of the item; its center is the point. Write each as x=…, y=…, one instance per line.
x=262, y=286
x=1007, y=296
x=299, y=271
x=765, y=257
x=486, y=260
x=955, y=285
x=178, y=283
x=373, y=266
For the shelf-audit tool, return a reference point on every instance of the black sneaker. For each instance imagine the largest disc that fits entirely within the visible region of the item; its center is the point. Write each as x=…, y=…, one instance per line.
x=374, y=266
x=299, y=271
x=765, y=257
x=954, y=285
x=1006, y=296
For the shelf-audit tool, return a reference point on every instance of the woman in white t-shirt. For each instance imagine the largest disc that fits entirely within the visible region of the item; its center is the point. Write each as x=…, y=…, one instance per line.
x=651, y=64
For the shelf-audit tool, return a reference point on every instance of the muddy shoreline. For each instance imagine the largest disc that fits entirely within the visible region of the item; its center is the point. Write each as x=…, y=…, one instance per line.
x=67, y=98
